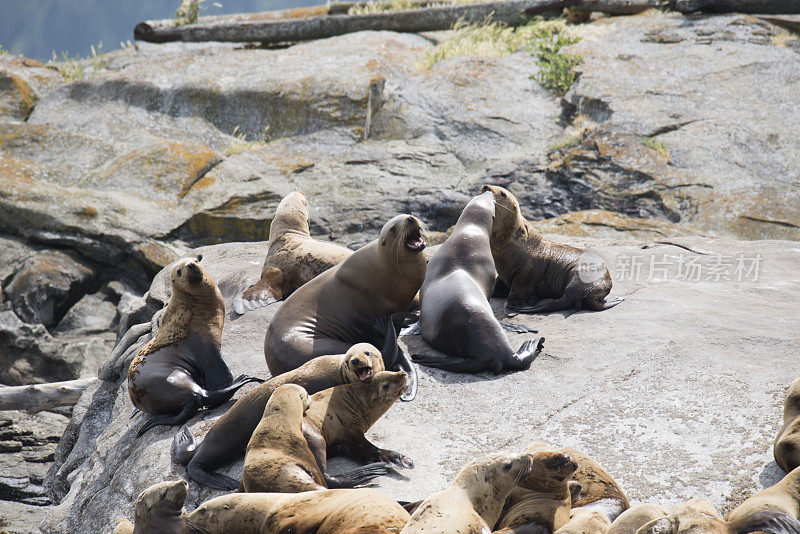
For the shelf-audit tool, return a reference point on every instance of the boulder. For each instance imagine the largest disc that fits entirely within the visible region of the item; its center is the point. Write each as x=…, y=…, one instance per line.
x=23, y=82
x=676, y=390
x=91, y=314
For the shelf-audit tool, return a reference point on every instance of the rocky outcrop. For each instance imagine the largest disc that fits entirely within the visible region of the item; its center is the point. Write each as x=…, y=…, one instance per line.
x=677, y=390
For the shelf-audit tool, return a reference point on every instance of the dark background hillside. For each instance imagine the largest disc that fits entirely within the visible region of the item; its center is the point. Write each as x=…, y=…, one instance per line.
x=36, y=28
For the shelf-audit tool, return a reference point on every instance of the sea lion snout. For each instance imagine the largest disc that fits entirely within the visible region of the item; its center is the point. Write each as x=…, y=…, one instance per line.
x=195, y=275
x=414, y=239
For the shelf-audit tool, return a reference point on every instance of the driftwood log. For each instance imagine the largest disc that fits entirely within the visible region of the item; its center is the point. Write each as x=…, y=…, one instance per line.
x=37, y=397
x=761, y=7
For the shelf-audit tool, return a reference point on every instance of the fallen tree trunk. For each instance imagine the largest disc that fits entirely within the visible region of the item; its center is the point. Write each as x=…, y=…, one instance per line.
x=37, y=397
x=253, y=28
x=616, y=7
x=762, y=7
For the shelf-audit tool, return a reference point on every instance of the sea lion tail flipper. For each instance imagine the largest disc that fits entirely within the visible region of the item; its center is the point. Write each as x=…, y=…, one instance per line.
x=181, y=417
x=214, y=398
x=183, y=445
x=607, y=304
x=258, y=295
x=525, y=355
x=405, y=365
x=768, y=521
x=208, y=478
x=516, y=328
x=357, y=476
x=452, y=363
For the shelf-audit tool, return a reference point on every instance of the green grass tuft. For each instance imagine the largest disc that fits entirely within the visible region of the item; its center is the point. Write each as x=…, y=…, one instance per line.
x=556, y=69
x=656, y=144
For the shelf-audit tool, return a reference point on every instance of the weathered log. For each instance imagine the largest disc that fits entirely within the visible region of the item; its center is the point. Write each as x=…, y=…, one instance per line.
x=251, y=28
x=617, y=7
x=37, y=397
x=761, y=7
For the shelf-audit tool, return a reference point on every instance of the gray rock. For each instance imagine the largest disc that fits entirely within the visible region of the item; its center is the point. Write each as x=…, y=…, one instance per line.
x=91, y=314
x=677, y=390
x=23, y=82
x=45, y=287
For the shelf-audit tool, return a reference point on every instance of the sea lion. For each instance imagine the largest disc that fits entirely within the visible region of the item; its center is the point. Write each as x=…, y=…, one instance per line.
x=699, y=515
x=543, y=497
x=340, y=416
x=782, y=499
x=340, y=307
x=293, y=256
x=227, y=439
x=629, y=521
x=474, y=500
x=158, y=510
x=599, y=490
x=456, y=317
x=533, y=267
x=787, y=443
x=585, y=521
x=336, y=511
x=181, y=369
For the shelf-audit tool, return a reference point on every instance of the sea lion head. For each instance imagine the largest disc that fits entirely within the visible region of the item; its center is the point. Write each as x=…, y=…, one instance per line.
x=385, y=388
x=288, y=398
x=507, y=212
x=362, y=362
x=290, y=215
x=160, y=506
x=403, y=235
x=550, y=470
x=189, y=278
x=479, y=211
x=697, y=515
x=488, y=480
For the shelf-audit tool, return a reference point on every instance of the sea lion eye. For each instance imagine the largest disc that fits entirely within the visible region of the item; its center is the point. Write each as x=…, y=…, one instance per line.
x=385, y=387
x=179, y=272
x=503, y=194
x=507, y=466
x=199, y=258
x=392, y=229
x=383, y=243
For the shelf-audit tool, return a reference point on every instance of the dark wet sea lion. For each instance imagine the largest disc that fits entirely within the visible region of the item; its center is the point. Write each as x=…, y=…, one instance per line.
x=473, y=502
x=355, y=511
x=293, y=257
x=455, y=316
x=227, y=439
x=340, y=307
x=533, y=267
x=181, y=369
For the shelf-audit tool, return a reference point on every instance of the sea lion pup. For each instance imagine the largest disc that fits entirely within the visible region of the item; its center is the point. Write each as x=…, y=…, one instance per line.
x=699, y=515
x=585, y=521
x=158, y=510
x=474, y=500
x=533, y=267
x=787, y=444
x=782, y=499
x=456, y=317
x=181, y=369
x=336, y=511
x=543, y=497
x=340, y=416
x=599, y=490
x=629, y=521
x=293, y=257
x=227, y=438
x=341, y=306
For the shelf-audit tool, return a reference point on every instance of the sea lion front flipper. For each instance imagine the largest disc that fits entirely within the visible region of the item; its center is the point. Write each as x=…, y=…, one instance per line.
x=404, y=364
x=454, y=364
x=181, y=417
x=608, y=303
x=356, y=477
x=211, y=479
x=183, y=445
x=263, y=293
x=363, y=450
x=212, y=399
x=525, y=355
x=516, y=328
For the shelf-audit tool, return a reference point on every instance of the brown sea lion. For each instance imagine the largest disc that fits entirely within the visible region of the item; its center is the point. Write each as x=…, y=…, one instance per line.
x=585, y=521
x=787, y=444
x=543, y=497
x=227, y=438
x=455, y=316
x=698, y=515
x=340, y=416
x=343, y=305
x=629, y=521
x=181, y=369
x=533, y=267
x=474, y=500
x=158, y=510
x=781, y=500
x=293, y=257
x=337, y=511
x=599, y=490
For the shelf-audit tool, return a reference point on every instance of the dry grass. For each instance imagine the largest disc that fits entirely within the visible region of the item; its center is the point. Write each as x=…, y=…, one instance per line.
x=240, y=143
x=782, y=39
x=568, y=141
x=657, y=145
x=490, y=39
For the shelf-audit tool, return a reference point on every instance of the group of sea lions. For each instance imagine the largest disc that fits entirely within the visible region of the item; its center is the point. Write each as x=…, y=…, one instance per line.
x=337, y=367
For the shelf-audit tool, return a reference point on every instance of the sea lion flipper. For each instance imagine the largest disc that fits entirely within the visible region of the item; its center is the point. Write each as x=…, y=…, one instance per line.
x=215, y=398
x=516, y=328
x=181, y=417
x=183, y=445
x=609, y=303
x=359, y=475
x=263, y=293
x=526, y=354
x=211, y=479
x=454, y=364
x=405, y=365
